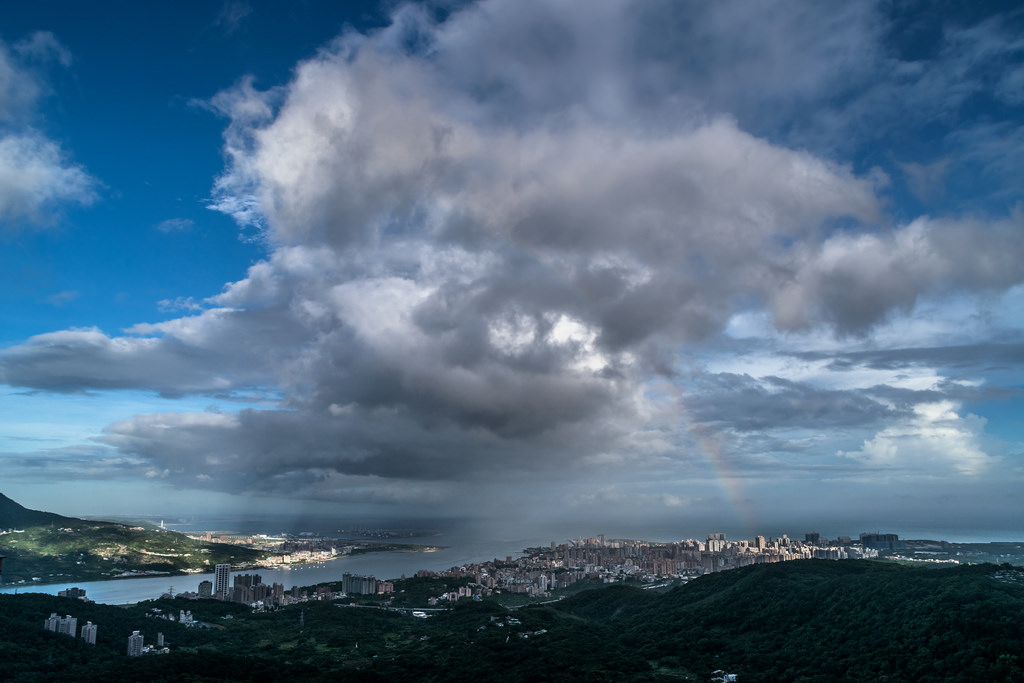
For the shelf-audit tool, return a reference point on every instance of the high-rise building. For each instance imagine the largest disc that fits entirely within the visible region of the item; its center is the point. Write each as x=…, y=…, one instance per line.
x=358, y=585
x=716, y=543
x=205, y=589
x=89, y=633
x=135, y=644
x=221, y=581
x=881, y=541
x=50, y=623
x=68, y=626
x=160, y=639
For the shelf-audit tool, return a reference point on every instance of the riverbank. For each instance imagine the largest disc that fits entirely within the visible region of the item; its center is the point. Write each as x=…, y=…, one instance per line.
x=391, y=564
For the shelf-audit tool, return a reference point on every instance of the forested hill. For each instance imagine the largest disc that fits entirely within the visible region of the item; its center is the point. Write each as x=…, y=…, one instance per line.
x=812, y=620
x=824, y=620
x=16, y=516
x=43, y=547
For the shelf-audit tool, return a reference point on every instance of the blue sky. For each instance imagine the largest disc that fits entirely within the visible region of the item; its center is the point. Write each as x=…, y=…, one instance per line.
x=749, y=265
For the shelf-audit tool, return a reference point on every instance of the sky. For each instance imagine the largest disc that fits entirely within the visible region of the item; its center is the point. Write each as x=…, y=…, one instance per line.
x=755, y=266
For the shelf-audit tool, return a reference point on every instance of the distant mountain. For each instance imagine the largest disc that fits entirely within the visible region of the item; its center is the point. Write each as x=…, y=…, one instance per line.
x=51, y=548
x=16, y=516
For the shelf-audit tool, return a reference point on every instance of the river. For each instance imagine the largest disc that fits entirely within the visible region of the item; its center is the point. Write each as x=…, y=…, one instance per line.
x=460, y=547
x=383, y=565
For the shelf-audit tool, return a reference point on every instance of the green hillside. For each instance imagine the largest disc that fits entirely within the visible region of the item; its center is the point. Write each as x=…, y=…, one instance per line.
x=821, y=620
x=795, y=621
x=43, y=547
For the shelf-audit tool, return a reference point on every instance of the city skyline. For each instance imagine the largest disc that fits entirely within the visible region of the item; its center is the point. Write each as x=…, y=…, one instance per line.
x=749, y=265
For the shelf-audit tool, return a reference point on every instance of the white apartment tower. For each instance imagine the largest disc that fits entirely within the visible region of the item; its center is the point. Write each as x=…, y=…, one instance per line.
x=50, y=623
x=68, y=626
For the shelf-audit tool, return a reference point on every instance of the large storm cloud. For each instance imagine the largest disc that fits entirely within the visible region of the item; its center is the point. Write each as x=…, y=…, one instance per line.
x=510, y=243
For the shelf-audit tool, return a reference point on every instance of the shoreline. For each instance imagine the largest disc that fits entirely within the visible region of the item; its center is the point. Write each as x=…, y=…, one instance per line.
x=234, y=568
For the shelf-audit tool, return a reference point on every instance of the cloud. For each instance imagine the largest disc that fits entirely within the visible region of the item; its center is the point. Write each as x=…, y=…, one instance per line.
x=36, y=179
x=934, y=439
x=507, y=246
x=856, y=280
x=926, y=180
x=21, y=85
x=175, y=225
x=36, y=176
x=82, y=462
x=231, y=15
x=62, y=298
x=339, y=455
x=746, y=404
x=1011, y=86
x=190, y=356
x=43, y=46
x=181, y=303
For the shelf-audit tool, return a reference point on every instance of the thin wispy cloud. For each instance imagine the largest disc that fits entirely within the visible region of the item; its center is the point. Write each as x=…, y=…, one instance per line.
x=175, y=225
x=62, y=298
x=232, y=14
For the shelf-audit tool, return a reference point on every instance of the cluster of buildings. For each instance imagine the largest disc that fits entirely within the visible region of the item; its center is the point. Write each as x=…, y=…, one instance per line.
x=137, y=646
x=561, y=565
x=75, y=593
x=353, y=584
x=283, y=550
x=184, y=617
x=249, y=589
x=68, y=625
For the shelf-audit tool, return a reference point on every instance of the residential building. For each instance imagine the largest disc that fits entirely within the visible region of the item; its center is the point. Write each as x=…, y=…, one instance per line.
x=68, y=626
x=135, y=644
x=50, y=623
x=221, y=581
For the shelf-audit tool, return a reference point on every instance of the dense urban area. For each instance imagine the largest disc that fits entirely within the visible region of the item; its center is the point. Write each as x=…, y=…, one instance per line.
x=539, y=573
x=622, y=609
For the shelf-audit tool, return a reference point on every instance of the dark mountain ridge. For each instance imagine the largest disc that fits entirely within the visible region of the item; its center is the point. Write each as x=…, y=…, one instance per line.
x=16, y=516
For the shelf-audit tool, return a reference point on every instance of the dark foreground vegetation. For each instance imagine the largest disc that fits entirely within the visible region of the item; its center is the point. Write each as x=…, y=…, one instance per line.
x=796, y=621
